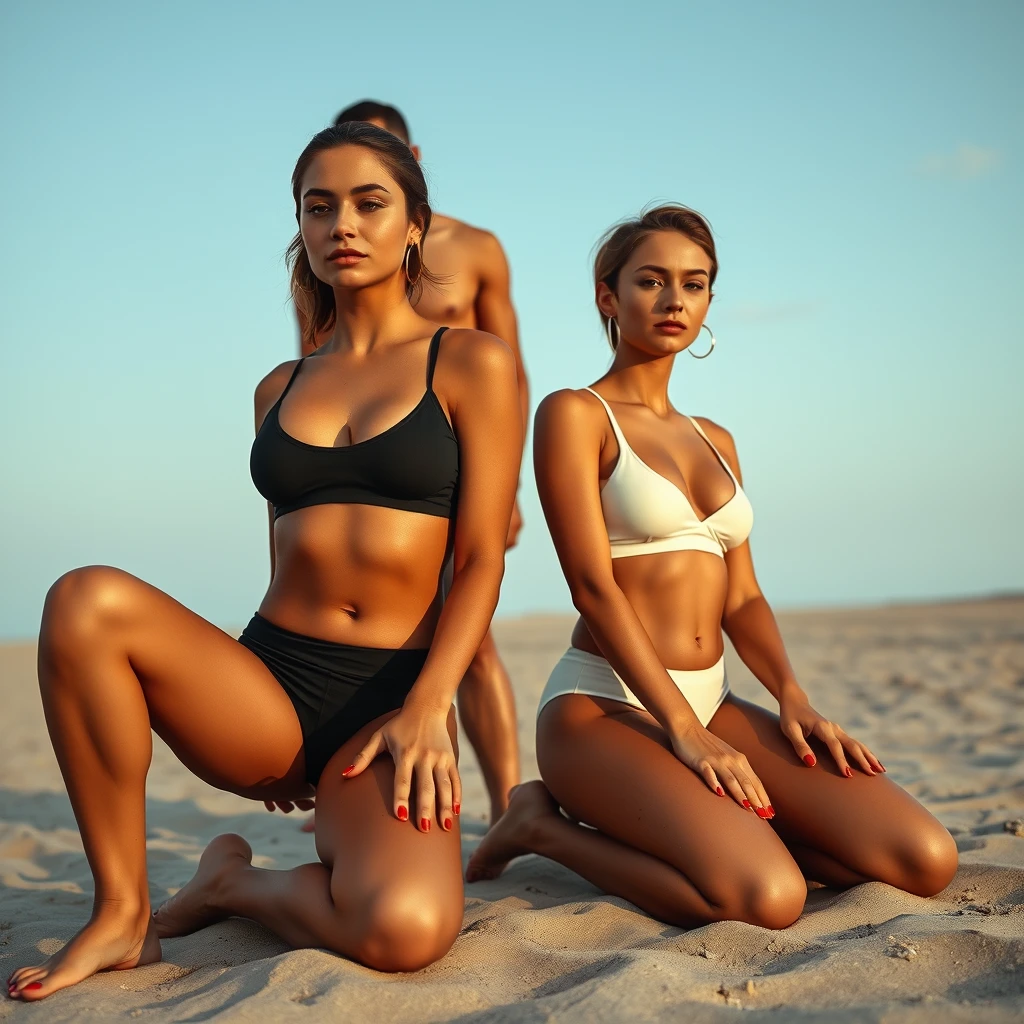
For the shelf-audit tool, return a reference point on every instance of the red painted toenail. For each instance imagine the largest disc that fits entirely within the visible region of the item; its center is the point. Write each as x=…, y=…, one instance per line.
x=403, y=813
x=809, y=760
x=34, y=985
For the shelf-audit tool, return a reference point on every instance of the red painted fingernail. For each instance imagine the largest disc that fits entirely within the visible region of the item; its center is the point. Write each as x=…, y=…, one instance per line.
x=403, y=814
x=761, y=812
x=746, y=803
x=447, y=824
x=457, y=808
x=720, y=791
x=771, y=810
x=425, y=824
x=34, y=985
x=348, y=769
x=848, y=772
x=809, y=760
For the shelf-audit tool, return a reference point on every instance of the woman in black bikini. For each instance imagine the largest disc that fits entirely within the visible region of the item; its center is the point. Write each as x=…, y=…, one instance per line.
x=363, y=450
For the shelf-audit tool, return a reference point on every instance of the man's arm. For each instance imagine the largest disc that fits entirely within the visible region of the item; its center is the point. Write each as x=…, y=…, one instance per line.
x=495, y=314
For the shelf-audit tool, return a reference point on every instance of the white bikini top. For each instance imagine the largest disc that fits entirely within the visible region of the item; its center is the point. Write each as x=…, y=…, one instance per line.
x=646, y=514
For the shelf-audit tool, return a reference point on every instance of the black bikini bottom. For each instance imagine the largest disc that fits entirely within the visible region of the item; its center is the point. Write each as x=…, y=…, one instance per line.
x=335, y=689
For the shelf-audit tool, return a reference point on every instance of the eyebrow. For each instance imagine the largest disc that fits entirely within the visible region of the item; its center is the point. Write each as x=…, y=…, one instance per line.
x=326, y=193
x=662, y=270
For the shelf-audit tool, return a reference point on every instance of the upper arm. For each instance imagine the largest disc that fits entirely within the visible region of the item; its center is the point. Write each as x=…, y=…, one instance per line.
x=494, y=310
x=479, y=378
x=567, y=440
x=739, y=562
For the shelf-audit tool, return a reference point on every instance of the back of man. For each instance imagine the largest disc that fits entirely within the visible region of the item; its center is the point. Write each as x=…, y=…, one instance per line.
x=474, y=292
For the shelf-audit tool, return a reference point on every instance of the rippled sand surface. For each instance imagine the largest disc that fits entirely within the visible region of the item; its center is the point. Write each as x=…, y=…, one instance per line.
x=936, y=690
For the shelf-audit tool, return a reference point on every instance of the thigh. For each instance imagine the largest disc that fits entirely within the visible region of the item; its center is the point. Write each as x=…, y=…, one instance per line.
x=867, y=823
x=214, y=702
x=370, y=851
x=612, y=767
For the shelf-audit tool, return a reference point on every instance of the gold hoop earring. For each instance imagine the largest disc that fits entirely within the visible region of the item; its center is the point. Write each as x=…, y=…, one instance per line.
x=704, y=327
x=405, y=263
x=611, y=331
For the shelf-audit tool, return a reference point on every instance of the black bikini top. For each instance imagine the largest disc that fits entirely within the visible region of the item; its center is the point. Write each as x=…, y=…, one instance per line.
x=413, y=465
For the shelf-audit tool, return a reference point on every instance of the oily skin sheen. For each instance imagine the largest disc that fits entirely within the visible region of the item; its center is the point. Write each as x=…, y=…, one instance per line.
x=691, y=824
x=387, y=888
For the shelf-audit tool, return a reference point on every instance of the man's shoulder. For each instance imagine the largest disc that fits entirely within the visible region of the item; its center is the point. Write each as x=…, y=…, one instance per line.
x=460, y=232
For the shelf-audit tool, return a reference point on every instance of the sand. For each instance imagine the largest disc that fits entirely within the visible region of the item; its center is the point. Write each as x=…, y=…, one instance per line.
x=936, y=690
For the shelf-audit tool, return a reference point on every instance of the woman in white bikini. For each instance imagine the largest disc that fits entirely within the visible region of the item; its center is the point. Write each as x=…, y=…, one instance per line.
x=700, y=806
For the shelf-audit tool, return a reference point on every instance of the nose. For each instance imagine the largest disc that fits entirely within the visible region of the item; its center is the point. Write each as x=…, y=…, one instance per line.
x=342, y=226
x=672, y=300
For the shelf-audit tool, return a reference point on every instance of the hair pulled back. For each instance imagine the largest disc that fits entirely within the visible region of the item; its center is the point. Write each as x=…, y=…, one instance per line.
x=313, y=299
x=620, y=242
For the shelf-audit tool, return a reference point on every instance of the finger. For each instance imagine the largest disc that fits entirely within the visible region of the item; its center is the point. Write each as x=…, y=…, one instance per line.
x=857, y=754
x=732, y=786
x=269, y=804
x=305, y=804
x=707, y=773
x=425, y=794
x=374, y=745
x=762, y=805
x=795, y=735
x=443, y=789
x=835, y=748
x=456, y=778
x=286, y=805
x=403, y=786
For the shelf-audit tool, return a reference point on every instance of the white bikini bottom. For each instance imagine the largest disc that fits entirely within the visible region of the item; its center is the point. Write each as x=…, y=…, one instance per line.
x=581, y=672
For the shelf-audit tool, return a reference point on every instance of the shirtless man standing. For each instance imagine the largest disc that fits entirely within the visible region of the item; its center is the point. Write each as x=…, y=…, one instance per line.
x=475, y=293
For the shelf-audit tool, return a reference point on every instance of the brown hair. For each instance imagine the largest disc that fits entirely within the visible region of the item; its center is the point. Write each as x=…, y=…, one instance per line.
x=314, y=300
x=619, y=242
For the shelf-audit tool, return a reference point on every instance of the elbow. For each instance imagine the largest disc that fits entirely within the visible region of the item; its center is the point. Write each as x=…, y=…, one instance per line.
x=591, y=594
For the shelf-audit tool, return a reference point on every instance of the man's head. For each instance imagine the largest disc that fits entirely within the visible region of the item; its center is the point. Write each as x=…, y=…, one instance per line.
x=383, y=115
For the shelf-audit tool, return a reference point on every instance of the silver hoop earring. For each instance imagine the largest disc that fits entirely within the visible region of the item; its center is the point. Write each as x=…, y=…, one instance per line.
x=704, y=327
x=405, y=263
x=611, y=330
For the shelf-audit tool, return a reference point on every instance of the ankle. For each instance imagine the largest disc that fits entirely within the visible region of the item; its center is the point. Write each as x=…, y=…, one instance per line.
x=122, y=907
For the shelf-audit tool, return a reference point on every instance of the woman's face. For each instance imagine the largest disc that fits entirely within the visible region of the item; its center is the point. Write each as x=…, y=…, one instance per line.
x=662, y=296
x=353, y=218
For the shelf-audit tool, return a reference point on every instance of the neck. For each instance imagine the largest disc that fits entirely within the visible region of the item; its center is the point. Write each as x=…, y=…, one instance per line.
x=640, y=377
x=366, y=317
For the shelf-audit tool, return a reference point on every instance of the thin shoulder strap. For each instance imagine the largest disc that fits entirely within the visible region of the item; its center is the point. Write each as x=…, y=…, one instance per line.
x=291, y=379
x=435, y=344
x=711, y=445
x=619, y=436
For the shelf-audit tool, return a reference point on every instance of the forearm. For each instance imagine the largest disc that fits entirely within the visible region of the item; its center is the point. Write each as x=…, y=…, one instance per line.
x=752, y=628
x=461, y=628
x=624, y=642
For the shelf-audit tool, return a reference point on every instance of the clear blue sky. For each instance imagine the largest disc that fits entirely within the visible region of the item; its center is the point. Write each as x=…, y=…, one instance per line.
x=861, y=165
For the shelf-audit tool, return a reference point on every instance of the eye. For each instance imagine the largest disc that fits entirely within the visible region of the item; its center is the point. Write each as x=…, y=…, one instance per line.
x=649, y=282
x=317, y=208
x=369, y=205
x=695, y=286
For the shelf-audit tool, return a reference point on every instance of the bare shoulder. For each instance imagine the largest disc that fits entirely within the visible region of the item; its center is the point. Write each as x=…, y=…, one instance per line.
x=570, y=412
x=474, y=353
x=268, y=391
x=482, y=243
x=720, y=438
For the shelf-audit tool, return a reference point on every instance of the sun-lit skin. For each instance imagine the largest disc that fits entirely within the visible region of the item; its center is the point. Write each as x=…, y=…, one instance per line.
x=387, y=889
x=473, y=290
x=691, y=823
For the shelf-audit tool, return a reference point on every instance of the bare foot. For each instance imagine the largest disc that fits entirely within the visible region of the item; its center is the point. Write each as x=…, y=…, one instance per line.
x=309, y=825
x=196, y=905
x=509, y=836
x=115, y=939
